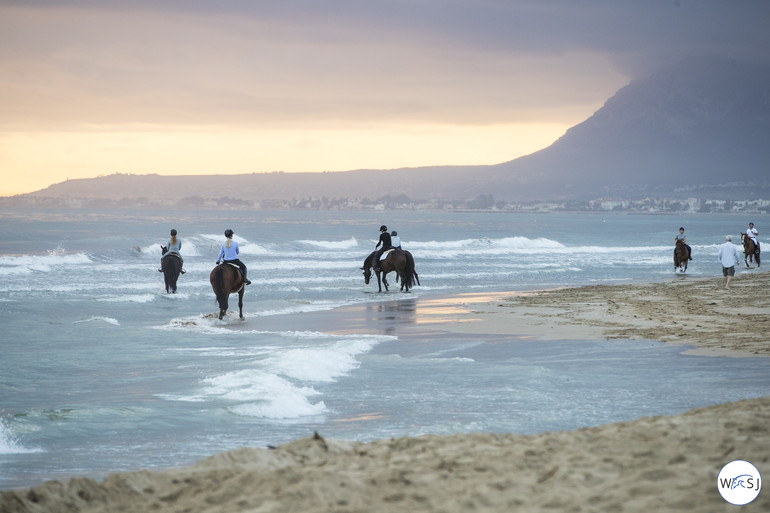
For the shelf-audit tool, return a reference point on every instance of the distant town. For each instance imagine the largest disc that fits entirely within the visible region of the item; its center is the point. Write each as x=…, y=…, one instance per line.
x=403, y=202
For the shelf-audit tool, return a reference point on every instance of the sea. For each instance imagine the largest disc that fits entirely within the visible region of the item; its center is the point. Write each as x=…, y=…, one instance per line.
x=103, y=371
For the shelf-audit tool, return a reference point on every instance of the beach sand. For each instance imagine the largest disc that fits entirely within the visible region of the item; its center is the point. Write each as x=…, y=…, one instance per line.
x=666, y=463
x=683, y=310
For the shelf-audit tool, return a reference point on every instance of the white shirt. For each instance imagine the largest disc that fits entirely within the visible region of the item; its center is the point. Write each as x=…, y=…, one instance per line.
x=752, y=232
x=728, y=254
x=395, y=241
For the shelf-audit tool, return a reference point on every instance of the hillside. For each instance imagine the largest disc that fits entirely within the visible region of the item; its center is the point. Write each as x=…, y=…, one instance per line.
x=701, y=127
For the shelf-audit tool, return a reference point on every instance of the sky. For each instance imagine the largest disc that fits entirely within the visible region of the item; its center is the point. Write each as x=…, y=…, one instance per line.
x=179, y=87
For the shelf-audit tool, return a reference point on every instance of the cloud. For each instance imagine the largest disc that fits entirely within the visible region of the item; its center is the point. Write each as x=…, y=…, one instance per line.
x=350, y=62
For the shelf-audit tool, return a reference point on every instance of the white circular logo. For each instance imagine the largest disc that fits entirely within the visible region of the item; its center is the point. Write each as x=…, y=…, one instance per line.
x=739, y=482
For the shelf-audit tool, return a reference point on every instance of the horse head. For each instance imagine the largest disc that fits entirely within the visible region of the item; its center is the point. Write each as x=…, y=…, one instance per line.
x=163, y=249
x=367, y=274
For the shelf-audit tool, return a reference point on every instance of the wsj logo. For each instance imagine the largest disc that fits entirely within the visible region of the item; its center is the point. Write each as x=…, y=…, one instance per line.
x=739, y=482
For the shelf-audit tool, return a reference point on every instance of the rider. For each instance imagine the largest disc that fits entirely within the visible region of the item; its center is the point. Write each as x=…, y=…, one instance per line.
x=395, y=240
x=174, y=245
x=229, y=253
x=386, y=242
x=753, y=233
x=681, y=236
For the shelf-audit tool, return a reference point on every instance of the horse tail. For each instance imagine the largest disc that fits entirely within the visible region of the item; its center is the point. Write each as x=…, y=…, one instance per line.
x=219, y=287
x=410, y=258
x=408, y=271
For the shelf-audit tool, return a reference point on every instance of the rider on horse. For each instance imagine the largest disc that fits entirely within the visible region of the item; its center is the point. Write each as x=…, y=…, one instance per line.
x=229, y=254
x=173, y=248
x=752, y=233
x=681, y=237
x=387, y=243
x=395, y=240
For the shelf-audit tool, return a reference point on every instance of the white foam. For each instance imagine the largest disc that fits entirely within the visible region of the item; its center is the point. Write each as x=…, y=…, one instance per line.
x=320, y=364
x=9, y=444
x=128, y=298
x=351, y=243
x=25, y=264
x=278, y=384
x=261, y=395
x=108, y=320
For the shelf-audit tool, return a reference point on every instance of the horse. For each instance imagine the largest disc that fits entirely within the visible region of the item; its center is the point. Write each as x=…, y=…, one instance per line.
x=227, y=279
x=681, y=256
x=396, y=260
x=750, y=250
x=172, y=266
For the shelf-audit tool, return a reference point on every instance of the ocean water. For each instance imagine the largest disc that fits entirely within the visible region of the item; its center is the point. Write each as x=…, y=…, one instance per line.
x=103, y=371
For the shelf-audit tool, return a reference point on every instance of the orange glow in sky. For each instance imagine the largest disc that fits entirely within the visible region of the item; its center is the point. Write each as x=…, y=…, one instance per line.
x=36, y=160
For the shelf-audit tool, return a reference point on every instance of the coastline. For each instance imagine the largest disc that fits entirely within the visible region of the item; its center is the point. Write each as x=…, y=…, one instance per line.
x=657, y=463
x=680, y=311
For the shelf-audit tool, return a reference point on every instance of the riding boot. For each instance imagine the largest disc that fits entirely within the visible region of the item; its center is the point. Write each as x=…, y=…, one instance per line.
x=246, y=281
x=160, y=269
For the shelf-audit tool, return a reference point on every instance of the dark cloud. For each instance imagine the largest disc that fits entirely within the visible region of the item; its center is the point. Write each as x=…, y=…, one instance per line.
x=471, y=61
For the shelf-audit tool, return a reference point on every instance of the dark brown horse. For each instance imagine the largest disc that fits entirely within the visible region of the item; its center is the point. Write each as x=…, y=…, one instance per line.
x=750, y=250
x=395, y=260
x=681, y=256
x=172, y=266
x=227, y=279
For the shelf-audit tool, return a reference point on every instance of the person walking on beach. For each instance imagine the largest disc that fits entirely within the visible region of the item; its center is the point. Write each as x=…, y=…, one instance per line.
x=174, y=246
x=229, y=253
x=729, y=256
x=681, y=236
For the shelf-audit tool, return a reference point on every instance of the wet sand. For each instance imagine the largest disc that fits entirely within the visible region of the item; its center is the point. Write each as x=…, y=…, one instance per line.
x=683, y=311
x=651, y=464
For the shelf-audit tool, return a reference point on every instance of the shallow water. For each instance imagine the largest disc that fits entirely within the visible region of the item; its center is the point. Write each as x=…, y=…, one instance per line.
x=103, y=371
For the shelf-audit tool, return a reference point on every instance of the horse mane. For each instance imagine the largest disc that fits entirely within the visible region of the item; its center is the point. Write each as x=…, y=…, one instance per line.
x=369, y=261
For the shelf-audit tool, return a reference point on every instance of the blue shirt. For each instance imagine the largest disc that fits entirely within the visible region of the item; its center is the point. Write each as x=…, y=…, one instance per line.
x=175, y=248
x=230, y=253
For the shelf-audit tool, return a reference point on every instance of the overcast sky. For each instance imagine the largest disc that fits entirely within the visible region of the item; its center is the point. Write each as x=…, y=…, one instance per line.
x=190, y=87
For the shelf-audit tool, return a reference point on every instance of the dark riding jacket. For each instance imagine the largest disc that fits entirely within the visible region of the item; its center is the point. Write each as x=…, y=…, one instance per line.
x=385, y=240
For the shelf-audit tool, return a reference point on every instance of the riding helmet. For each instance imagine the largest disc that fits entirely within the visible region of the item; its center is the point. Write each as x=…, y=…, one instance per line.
x=394, y=233
x=173, y=232
x=383, y=228
x=229, y=233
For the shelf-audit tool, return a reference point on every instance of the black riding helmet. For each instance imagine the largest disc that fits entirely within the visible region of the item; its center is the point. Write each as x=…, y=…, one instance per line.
x=173, y=232
x=383, y=228
x=229, y=233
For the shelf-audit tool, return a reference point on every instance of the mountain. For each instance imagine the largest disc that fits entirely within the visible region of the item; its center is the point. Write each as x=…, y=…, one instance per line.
x=703, y=125
x=700, y=128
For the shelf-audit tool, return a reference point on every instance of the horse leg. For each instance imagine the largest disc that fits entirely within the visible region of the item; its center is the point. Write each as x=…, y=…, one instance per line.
x=379, y=281
x=385, y=281
x=240, y=302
